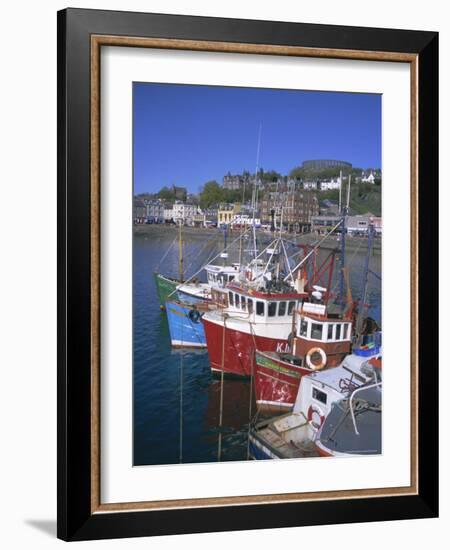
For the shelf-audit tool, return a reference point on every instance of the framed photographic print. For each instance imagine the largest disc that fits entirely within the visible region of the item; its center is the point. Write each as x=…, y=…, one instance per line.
x=247, y=274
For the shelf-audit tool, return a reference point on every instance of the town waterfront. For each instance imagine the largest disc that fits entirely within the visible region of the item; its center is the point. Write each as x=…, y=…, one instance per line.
x=176, y=400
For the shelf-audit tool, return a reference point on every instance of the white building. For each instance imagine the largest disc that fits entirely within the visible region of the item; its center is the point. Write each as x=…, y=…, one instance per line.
x=168, y=212
x=359, y=224
x=368, y=178
x=155, y=211
x=184, y=213
x=330, y=184
x=310, y=185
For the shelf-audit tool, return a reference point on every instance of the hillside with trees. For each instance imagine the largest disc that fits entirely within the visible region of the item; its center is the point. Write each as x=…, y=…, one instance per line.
x=364, y=197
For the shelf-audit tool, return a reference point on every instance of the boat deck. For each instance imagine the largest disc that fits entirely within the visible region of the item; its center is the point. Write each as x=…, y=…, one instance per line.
x=280, y=447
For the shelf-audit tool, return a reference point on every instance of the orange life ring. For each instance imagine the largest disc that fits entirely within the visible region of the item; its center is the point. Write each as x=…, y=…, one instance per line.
x=323, y=357
x=315, y=410
x=376, y=362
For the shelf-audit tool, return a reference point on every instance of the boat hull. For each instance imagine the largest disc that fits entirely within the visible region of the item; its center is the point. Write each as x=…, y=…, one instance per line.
x=166, y=288
x=259, y=451
x=277, y=381
x=185, y=325
x=234, y=352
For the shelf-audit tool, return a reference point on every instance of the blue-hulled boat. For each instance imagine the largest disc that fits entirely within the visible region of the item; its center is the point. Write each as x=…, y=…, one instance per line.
x=185, y=324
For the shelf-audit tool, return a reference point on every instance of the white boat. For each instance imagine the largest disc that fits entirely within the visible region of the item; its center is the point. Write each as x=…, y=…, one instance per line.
x=326, y=414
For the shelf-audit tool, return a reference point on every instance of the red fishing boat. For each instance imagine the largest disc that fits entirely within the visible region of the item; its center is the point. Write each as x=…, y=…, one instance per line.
x=260, y=308
x=253, y=320
x=321, y=340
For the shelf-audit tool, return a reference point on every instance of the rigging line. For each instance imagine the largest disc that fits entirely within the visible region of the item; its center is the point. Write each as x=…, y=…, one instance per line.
x=181, y=398
x=165, y=254
x=196, y=253
x=252, y=381
x=314, y=249
x=266, y=268
x=222, y=369
x=300, y=235
x=273, y=242
x=287, y=260
x=297, y=244
x=349, y=263
x=208, y=261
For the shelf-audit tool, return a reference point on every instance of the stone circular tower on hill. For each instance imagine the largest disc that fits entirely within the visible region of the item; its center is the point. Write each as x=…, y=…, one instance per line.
x=323, y=164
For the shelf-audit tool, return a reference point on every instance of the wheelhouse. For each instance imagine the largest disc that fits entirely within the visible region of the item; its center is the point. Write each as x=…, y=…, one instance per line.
x=262, y=306
x=219, y=276
x=315, y=325
x=321, y=389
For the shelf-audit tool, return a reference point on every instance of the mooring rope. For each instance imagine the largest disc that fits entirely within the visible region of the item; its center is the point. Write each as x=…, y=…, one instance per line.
x=181, y=397
x=219, y=447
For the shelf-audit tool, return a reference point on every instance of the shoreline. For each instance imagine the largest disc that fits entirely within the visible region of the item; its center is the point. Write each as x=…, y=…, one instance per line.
x=352, y=243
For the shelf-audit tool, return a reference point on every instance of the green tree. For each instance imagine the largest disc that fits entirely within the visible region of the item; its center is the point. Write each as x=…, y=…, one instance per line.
x=268, y=176
x=144, y=196
x=210, y=194
x=166, y=194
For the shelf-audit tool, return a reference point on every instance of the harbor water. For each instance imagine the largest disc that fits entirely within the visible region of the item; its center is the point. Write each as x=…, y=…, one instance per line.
x=176, y=401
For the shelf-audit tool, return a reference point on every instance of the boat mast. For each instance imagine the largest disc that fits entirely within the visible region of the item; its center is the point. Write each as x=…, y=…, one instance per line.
x=365, y=282
x=224, y=254
x=240, y=229
x=180, y=254
x=343, y=232
x=254, y=199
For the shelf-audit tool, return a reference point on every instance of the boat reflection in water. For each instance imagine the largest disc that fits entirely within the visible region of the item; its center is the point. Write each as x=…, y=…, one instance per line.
x=228, y=432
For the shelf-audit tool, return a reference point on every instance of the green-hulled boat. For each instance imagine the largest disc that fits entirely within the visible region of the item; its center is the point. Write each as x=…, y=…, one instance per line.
x=166, y=288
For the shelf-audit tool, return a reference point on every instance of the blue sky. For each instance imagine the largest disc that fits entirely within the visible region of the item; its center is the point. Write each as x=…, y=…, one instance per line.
x=187, y=135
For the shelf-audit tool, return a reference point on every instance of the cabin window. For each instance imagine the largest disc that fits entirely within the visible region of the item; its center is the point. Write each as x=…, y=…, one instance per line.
x=230, y=297
x=272, y=309
x=330, y=332
x=304, y=328
x=237, y=299
x=291, y=307
x=338, y=332
x=259, y=308
x=319, y=395
x=316, y=331
x=282, y=308
x=250, y=305
x=230, y=278
x=243, y=303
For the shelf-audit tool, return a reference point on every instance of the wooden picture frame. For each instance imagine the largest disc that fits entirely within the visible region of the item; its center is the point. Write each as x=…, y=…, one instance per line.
x=81, y=35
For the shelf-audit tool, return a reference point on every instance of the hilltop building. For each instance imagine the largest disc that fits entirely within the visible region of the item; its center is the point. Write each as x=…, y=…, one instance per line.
x=180, y=193
x=236, y=181
x=324, y=164
x=368, y=178
x=334, y=183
